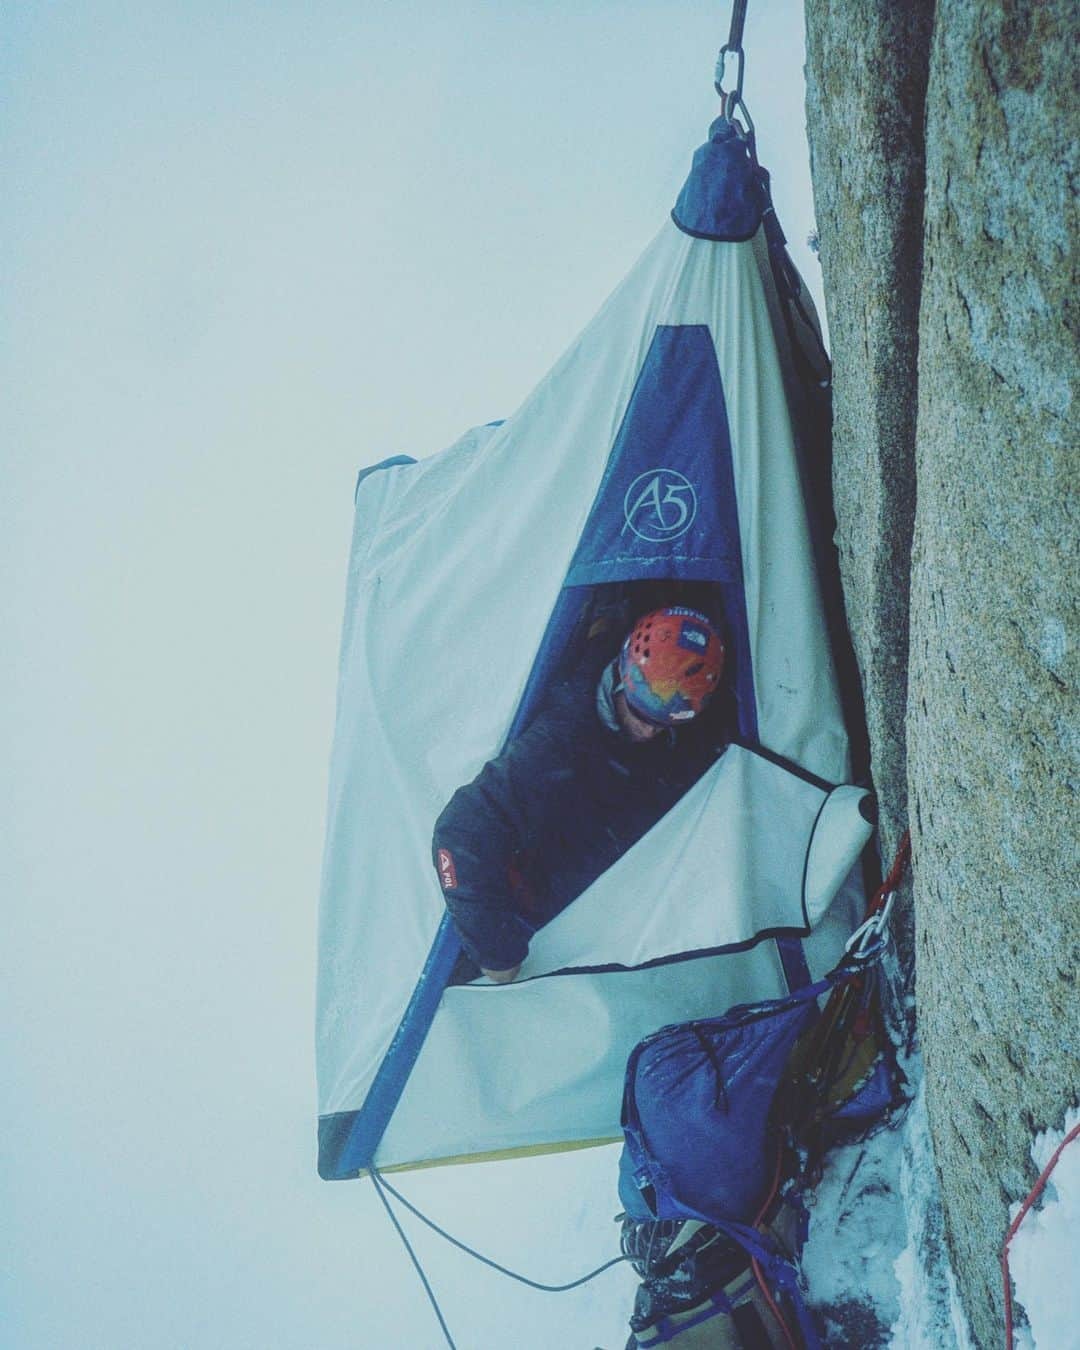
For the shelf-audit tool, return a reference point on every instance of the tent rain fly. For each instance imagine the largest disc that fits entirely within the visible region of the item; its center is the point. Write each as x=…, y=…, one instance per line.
x=660, y=447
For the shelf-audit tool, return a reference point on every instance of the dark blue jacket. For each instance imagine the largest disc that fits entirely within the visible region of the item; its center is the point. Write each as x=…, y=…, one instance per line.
x=547, y=816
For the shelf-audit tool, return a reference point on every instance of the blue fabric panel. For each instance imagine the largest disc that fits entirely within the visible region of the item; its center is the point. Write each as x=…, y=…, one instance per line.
x=878, y=1096
x=874, y=1098
x=722, y=198
x=552, y=647
x=666, y=503
x=348, y=1140
x=737, y=637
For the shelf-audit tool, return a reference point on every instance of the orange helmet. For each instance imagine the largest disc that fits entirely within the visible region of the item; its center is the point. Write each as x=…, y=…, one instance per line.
x=670, y=665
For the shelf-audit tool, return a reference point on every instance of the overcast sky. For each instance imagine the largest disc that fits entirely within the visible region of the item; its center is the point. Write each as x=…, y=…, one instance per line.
x=249, y=248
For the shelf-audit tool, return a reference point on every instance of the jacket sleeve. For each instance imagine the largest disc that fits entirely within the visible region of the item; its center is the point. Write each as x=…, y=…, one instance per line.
x=474, y=842
x=490, y=820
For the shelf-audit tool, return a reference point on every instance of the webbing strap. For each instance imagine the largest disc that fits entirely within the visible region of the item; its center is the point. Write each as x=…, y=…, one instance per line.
x=794, y=963
x=738, y=21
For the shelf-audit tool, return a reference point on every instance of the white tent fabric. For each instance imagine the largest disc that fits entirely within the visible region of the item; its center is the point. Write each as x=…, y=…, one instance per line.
x=523, y=1067
x=742, y=835
x=457, y=563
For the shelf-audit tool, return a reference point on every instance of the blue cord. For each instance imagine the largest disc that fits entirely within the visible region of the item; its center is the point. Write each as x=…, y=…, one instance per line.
x=384, y=1185
x=379, y=1183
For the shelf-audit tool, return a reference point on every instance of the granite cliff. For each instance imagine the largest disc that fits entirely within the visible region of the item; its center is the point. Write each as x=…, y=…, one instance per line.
x=945, y=144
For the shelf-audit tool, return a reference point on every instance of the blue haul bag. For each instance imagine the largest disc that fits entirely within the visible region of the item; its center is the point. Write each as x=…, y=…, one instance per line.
x=709, y=1105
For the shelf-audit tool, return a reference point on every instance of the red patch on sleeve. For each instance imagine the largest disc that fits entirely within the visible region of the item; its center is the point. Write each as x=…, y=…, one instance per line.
x=447, y=870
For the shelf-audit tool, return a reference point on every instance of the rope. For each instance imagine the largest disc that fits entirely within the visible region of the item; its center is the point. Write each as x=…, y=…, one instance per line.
x=1033, y=1195
x=486, y=1260
x=896, y=873
x=755, y=1264
x=382, y=1186
x=378, y=1181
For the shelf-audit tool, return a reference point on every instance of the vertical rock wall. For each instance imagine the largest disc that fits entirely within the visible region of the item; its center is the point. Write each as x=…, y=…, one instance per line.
x=867, y=157
x=952, y=308
x=992, y=731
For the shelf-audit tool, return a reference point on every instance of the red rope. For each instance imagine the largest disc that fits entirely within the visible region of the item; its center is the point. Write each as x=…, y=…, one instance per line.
x=772, y=1304
x=1033, y=1195
x=896, y=874
x=759, y=1274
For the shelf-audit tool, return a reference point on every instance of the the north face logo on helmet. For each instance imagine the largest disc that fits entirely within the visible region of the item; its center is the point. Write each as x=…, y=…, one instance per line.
x=692, y=637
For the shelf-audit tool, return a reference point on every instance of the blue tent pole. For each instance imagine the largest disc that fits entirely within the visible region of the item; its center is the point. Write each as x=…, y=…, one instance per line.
x=369, y=1125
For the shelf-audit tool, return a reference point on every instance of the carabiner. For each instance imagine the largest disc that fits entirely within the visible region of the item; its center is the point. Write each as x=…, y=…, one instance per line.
x=871, y=937
x=721, y=66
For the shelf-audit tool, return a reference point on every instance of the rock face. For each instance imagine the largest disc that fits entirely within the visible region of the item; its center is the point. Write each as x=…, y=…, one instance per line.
x=867, y=158
x=952, y=283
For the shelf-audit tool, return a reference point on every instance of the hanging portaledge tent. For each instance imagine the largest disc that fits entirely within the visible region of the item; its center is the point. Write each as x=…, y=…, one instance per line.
x=661, y=445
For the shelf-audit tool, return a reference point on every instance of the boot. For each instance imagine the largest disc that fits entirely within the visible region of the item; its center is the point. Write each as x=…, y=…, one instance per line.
x=698, y=1291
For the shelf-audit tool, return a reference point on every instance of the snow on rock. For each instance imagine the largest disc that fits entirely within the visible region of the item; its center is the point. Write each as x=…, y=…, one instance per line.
x=1044, y=1256
x=876, y=1265
x=931, y=1316
x=857, y=1227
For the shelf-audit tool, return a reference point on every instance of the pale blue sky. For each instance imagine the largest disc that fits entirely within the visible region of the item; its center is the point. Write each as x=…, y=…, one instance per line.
x=250, y=247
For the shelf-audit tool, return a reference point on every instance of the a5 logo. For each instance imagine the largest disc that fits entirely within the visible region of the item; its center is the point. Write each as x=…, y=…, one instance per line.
x=660, y=504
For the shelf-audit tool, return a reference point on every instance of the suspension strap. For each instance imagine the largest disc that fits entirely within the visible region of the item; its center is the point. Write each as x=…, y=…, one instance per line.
x=738, y=22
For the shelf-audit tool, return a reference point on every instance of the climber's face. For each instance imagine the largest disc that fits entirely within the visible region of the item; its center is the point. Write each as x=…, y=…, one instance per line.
x=634, y=726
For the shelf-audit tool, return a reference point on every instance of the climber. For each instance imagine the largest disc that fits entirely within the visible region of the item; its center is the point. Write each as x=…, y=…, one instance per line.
x=611, y=750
